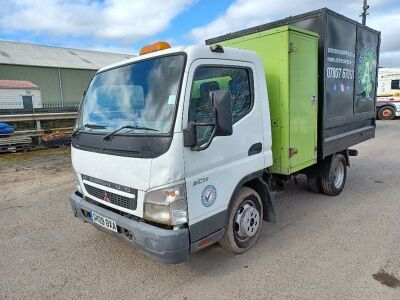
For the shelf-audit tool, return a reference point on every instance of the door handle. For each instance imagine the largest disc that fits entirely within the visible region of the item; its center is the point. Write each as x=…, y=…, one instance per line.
x=255, y=149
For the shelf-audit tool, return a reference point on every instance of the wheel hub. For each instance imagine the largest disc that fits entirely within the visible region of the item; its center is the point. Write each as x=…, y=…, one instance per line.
x=386, y=113
x=338, y=175
x=247, y=221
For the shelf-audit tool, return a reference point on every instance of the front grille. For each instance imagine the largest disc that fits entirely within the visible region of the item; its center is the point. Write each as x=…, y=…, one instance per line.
x=115, y=199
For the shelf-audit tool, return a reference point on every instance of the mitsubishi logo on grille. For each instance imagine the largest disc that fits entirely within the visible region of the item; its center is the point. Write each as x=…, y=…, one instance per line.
x=106, y=198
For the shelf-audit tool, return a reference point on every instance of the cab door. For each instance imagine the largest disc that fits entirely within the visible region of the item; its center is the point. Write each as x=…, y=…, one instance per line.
x=213, y=173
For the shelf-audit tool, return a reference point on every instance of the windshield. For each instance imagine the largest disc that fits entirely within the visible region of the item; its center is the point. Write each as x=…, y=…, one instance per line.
x=141, y=96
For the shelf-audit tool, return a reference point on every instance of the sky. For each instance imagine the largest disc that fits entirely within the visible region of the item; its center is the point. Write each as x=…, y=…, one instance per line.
x=124, y=26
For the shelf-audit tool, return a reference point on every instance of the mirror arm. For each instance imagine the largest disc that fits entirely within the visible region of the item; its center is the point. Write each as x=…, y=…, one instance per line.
x=206, y=145
x=214, y=123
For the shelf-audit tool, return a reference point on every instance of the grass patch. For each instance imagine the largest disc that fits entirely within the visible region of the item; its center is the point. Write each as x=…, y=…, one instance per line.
x=21, y=156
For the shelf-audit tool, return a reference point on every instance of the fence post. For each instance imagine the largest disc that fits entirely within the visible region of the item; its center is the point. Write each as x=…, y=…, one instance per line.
x=38, y=127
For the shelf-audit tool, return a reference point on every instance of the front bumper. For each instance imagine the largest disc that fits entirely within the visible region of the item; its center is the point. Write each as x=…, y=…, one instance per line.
x=166, y=246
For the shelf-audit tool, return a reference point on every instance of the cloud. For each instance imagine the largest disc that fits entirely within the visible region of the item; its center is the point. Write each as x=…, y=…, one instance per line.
x=121, y=21
x=389, y=25
x=389, y=59
x=384, y=16
x=246, y=13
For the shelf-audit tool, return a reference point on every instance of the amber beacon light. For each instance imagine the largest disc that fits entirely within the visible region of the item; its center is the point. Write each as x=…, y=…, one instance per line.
x=157, y=46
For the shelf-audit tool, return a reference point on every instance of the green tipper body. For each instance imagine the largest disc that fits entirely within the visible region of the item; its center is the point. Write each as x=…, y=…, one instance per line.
x=290, y=60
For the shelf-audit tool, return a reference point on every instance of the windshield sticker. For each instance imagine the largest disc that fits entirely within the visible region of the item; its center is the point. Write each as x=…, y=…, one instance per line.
x=209, y=195
x=171, y=99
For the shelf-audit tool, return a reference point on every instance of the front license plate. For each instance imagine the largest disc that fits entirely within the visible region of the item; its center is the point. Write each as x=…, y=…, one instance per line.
x=104, y=222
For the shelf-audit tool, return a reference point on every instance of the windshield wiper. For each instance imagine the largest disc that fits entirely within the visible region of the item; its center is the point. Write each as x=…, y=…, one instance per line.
x=88, y=125
x=95, y=126
x=130, y=127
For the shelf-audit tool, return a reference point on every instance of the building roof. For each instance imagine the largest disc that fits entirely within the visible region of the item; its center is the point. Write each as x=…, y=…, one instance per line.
x=13, y=53
x=17, y=84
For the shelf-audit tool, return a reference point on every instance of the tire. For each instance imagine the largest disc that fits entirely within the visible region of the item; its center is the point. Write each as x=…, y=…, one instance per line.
x=314, y=183
x=386, y=113
x=334, y=183
x=246, y=209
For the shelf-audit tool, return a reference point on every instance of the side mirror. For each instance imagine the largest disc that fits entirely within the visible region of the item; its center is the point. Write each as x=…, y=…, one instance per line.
x=222, y=104
x=221, y=121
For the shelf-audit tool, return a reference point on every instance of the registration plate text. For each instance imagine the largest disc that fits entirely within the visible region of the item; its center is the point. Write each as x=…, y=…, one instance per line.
x=104, y=222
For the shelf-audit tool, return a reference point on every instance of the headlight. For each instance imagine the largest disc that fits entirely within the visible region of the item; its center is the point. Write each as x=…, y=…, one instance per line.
x=167, y=206
x=77, y=184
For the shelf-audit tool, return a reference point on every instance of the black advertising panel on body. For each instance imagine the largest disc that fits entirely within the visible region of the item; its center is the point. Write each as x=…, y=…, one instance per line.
x=366, y=70
x=340, y=64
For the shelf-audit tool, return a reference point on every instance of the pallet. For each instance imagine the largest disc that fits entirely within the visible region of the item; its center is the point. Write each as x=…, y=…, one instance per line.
x=15, y=144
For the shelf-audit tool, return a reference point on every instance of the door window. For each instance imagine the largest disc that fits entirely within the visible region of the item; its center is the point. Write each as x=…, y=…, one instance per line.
x=207, y=79
x=396, y=84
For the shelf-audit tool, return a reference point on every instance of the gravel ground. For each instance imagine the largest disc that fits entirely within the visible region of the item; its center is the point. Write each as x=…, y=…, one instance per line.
x=320, y=248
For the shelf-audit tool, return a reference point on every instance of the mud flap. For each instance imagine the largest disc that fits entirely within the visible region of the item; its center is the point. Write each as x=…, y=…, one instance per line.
x=271, y=216
x=269, y=200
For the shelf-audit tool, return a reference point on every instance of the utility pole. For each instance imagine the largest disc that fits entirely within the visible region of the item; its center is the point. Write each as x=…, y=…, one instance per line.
x=364, y=14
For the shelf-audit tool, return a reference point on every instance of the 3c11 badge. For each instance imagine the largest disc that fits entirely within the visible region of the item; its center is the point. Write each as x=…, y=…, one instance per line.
x=209, y=195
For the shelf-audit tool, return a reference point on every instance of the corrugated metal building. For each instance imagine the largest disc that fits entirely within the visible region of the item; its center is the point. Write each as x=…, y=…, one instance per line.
x=62, y=74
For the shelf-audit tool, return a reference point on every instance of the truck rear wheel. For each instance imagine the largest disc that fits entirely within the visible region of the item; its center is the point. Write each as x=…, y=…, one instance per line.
x=314, y=183
x=334, y=183
x=244, y=221
x=386, y=113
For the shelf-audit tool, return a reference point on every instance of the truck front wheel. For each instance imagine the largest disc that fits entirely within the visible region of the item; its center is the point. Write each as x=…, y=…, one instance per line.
x=386, y=113
x=334, y=183
x=244, y=221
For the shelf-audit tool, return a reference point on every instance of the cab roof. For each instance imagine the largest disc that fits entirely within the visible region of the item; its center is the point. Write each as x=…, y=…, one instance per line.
x=192, y=53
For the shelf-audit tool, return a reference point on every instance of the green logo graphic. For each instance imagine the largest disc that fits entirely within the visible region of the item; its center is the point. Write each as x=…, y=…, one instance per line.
x=367, y=71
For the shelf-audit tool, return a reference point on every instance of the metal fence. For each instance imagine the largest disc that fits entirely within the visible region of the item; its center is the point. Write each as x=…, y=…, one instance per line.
x=11, y=108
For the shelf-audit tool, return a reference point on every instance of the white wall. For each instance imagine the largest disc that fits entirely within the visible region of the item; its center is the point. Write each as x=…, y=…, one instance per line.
x=12, y=98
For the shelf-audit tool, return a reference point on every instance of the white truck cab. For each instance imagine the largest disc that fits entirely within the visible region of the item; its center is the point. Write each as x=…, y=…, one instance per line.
x=157, y=161
x=180, y=148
